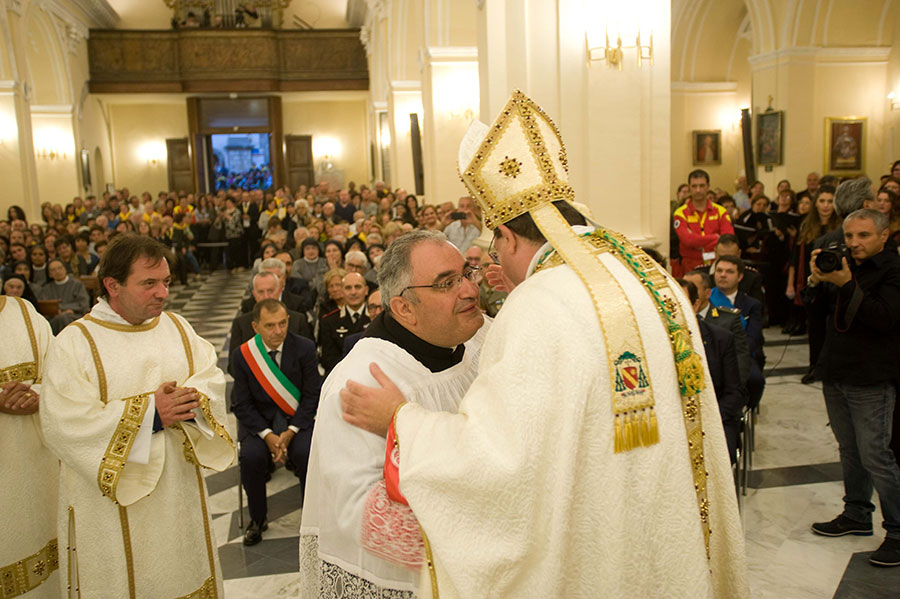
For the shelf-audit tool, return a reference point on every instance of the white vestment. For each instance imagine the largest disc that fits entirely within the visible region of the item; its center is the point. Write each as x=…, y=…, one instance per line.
x=132, y=503
x=28, y=551
x=521, y=494
x=346, y=463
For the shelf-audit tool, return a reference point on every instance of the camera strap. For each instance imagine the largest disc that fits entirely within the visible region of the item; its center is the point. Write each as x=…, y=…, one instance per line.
x=852, y=308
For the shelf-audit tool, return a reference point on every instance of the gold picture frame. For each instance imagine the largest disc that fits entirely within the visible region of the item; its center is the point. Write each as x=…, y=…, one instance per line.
x=845, y=146
x=706, y=147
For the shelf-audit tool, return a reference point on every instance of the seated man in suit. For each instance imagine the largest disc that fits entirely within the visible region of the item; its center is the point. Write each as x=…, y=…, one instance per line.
x=291, y=301
x=729, y=270
x=297, y=285
x=374, y=308
x=752, y=281
x=721, y=357
x=265, y=286
x=351, y=318
x=275, y=398
x=727, y=318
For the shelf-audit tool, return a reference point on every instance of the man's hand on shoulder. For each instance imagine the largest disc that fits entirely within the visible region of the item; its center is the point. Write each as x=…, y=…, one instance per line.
x=18, y=399
x=175, y=404
x=371, y=408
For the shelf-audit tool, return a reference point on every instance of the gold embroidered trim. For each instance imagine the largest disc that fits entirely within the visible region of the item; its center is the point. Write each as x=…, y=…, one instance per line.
x=207, y=591
x=498, y=211
x=30, y=572
x=69, y=551
x=125, y=328
x=26, y=371
x=429, y=558
x=32, y=339
x=209, y=545
x=211, y=420
x=3, y=301
x=184, y=341
x=126, y=543
x=98, y=364
x=113, y=461
x=633, y=405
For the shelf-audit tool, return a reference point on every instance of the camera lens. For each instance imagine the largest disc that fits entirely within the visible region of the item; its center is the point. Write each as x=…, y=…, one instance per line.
x=827, y=261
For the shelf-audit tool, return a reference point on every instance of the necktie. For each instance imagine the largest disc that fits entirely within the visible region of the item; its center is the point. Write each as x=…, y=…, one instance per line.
x=353, y=318
x=274, y=355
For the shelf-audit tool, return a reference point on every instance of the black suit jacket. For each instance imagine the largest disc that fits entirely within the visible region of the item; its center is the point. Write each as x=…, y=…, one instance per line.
x=255, y=410
x=291, y=302
x=730, y=320
x=332, y=330
x=242, y=330
x=751, y=310
x=721, y=356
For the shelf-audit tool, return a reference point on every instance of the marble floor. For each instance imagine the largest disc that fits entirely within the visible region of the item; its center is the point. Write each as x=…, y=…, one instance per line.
x=795, y=480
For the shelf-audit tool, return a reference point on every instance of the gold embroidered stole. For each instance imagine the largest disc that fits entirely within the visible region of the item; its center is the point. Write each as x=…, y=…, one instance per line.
x=579, y=252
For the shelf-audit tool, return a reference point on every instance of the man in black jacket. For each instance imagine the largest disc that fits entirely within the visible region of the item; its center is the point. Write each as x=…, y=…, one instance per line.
x=721, y=357
x=351, y=318
x=860, y=304
x=275, y=398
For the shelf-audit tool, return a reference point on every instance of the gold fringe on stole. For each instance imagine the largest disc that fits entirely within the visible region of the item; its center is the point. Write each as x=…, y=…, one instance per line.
x=624, y=347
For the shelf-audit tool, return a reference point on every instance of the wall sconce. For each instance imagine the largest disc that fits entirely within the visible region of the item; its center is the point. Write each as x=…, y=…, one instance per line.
x=620, y=23
x=152, y=152
x=327, y=149
x=51, y=143
x=895, y=104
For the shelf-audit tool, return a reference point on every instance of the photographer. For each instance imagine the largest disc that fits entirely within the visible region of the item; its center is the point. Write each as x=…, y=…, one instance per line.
x=857, y=291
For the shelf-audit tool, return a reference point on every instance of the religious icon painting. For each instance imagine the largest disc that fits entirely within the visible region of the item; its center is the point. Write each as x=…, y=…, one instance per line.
x=769, y=127
x=706, y=147
x=845, y=150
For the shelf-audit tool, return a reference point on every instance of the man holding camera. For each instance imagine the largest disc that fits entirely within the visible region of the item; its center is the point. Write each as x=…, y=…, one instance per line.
x=860, y=303
x=464, y=225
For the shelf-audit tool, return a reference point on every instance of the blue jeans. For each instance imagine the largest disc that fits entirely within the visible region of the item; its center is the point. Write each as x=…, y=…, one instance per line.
x=861, y=420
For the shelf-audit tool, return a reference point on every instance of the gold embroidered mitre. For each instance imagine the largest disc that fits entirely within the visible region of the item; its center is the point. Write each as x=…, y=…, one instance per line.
x=519, y=163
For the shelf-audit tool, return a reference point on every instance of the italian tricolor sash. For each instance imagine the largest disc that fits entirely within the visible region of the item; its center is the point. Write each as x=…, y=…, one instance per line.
x=277, y=386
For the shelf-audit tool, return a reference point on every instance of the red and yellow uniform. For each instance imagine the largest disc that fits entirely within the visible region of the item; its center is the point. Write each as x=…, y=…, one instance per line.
x=698, y=232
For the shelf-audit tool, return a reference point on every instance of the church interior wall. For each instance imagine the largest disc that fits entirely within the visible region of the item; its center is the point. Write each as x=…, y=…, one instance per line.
x=339, y=118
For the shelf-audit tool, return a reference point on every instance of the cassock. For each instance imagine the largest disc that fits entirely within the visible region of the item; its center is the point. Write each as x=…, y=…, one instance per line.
x=133, y=504
x=28, y=554
x=521, y=493
x=352, y=538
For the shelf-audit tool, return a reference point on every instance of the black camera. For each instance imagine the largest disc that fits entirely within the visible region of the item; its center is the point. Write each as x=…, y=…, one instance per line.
x=831, y=257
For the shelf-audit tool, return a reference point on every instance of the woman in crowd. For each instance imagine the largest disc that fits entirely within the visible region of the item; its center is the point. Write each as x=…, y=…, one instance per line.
x=267, y=250
x=14, y=284
x=779, y=244
x=234, y=231
x=333, y=298
x=15, y=213
x=429, y=218
x=886, y=203
x=311, y=266
x=37, y=255
x=821, y=219
x=23, y=269
x=334, y=254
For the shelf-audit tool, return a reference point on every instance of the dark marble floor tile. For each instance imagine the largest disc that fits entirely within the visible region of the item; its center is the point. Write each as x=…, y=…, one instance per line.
x=862, y=580
x=794, y=475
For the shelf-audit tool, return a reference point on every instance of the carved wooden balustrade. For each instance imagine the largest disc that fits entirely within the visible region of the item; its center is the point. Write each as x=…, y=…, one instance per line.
x=225, y=60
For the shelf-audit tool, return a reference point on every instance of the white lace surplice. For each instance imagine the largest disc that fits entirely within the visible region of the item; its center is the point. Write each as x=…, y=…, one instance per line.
x=345, y=471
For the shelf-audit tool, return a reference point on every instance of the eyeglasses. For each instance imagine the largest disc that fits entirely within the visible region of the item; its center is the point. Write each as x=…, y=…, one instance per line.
x=450, y=282
x=495, y=257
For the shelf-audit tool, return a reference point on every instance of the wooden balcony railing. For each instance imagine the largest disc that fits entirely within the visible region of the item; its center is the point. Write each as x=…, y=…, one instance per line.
x=223, y=60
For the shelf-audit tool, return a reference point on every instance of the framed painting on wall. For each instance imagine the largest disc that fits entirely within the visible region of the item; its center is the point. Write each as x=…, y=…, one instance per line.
x=706, y=147
x=845, y=146
x=769, y=129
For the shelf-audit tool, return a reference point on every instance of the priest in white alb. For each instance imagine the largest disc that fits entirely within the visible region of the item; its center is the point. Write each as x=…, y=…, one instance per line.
x=355, y=541
x=133, y=405
x=28, y=552
x=587, y=458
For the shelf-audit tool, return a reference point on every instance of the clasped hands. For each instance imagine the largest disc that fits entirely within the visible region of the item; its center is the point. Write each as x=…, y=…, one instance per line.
x=18, y=398
x=174, y=403
x=278, y=444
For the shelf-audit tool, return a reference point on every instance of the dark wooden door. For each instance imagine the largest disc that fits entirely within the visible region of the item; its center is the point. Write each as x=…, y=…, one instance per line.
x=299, y=160
x=180, y=165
